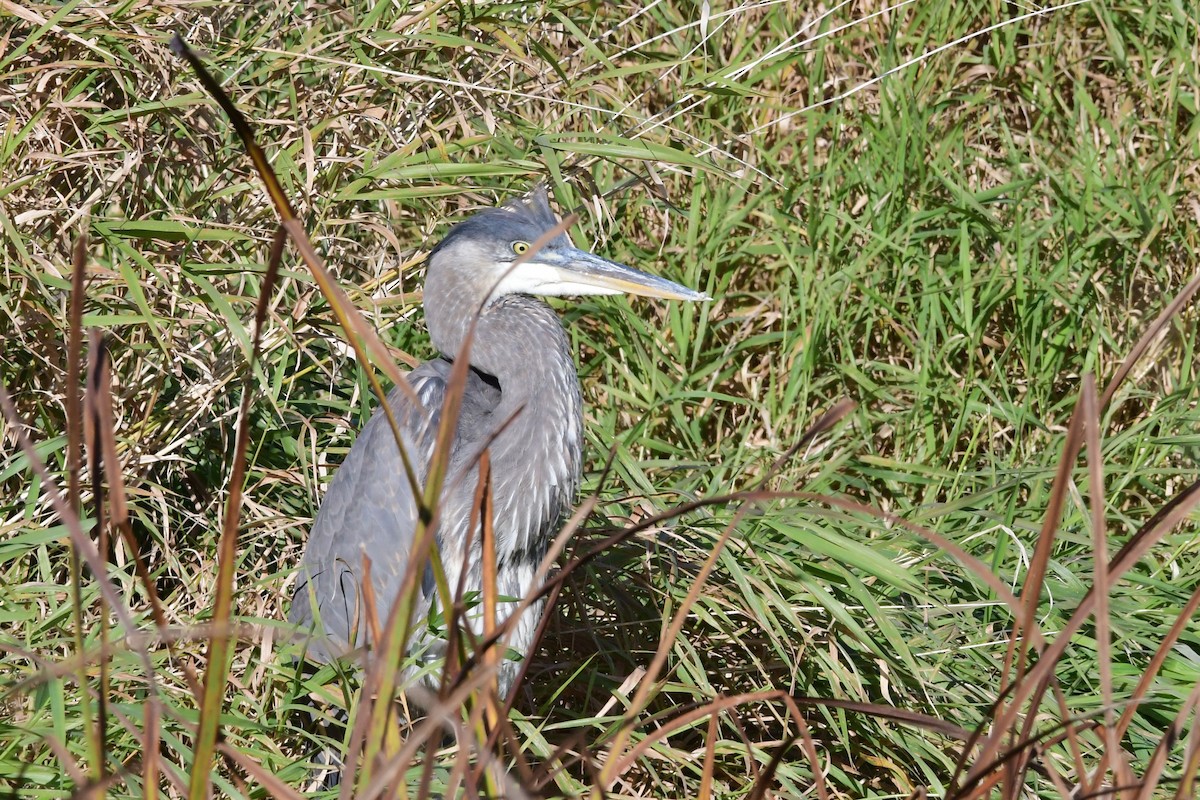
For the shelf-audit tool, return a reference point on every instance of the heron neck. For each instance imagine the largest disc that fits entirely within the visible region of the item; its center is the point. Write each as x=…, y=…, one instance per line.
x=518, y=340
x=538, y=423
x=521, y=343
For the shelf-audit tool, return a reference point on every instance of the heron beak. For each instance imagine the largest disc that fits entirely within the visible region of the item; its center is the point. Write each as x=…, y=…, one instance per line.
x=571, y=271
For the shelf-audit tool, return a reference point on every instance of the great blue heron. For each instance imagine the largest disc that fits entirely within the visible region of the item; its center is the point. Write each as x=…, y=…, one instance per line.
x=522, y=402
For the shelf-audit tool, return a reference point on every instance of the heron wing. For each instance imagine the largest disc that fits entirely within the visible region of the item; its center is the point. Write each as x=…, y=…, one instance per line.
x=369, y=513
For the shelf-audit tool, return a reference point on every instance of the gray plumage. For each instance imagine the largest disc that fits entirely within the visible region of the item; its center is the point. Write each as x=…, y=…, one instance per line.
x=522, y=401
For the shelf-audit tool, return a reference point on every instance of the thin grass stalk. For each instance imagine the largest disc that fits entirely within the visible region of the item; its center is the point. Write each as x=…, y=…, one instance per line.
x=477, y=724
x=363, y=340
x=378, y=739
x=360, y=721
x=903, y=716
x=515, y=760
x=221, y=643
x=752, y=765
x=506, y=705
x=581, y=513
x=135, y=642
x=123, y=771
x=74, y=412
x=369, y=600
x=1065, y=791
x=973, y=564
x=427, y=772
x=427, y=762
x=691, y=100
x=548, y=586
x=1095, y=465
x=458, y=773
x=827, y=420
x=488, y=718
x=976, y=567
x=561, y=760
x=708, y=766
x=1125, y=559
x=981, y=32
x=457, y=630
x=364, y=710
x=1069, y=732
x=488, y=557
x=459, y=634
x=994, y=772
x=99, y=403
x=92, y=427
x=984, y=787
x=1031, y=593
x=552, y=553
x=1067, y=729
x=165, y=767
x=152, y=740
x=69, y=764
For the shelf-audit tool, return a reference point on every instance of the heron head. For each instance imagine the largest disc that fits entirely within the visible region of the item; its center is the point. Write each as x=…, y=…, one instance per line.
x=500, y=251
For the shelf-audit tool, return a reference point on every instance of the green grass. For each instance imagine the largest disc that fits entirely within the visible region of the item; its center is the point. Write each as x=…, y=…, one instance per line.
x=952, y=248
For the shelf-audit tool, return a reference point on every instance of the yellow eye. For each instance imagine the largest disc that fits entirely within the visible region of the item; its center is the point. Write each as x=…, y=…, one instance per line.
x=520, y=247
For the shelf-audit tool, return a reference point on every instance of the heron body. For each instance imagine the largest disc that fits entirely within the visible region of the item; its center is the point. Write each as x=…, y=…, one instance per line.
x=522, y=403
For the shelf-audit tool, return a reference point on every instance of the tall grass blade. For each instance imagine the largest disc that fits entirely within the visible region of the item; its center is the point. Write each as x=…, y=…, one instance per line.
x=1098, y=503
x=74, y=413
x=97, y=419
x=221, y=643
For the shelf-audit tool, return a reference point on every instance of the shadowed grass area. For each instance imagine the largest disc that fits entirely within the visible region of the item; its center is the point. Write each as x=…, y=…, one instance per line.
x=952, y=248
